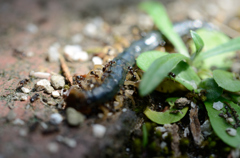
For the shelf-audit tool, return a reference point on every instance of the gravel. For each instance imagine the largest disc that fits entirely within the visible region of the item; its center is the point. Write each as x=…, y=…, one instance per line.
x=57, y=81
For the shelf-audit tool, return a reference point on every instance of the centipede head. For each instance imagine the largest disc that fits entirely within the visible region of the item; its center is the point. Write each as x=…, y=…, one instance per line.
x=77, y=100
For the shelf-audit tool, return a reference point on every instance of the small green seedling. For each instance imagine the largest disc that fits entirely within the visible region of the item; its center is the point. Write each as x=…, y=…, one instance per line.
x=157, y=65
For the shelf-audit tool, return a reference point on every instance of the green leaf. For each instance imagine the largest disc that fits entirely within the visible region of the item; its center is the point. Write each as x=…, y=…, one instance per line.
x=226, y=80
x=158, y=13
x=224, y=47
x=220, y=125
x=145, y=59
x=145, y=135
x=212, y=88
x=186, y=76
x=158, y=71
x=165, y=117
x=198, y=44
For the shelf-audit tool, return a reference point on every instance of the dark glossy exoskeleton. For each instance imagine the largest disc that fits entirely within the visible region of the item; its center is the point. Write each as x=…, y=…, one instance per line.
x=34, y=97
x=115, y=74
x=171, y=74
x=23, y=82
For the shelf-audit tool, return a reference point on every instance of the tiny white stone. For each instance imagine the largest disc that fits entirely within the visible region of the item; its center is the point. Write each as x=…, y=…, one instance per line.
x=77, y=38
x=48, y=89
x=218, y=105
x=186, y=132
x=231, y=131
x=230, y=119
x=193, y=105
x=68, y=141
x=25, y=90
x=57, y=81
x=164, y=135
x=55, y=94
x=18, y=122
x=161, y=129
x=23, y=132
x=53, y=52
x=53, y=147
x=206, y=128
x=32, y=28
x=23, y=97
x=56, y=118
x=97, y=60
x=163, y=144
x=98, y=130
x=110, y=114
x=90, y=30
x=75, y=53
x=40, y=74
x=40, y=85
x=44, y=125
x=124, y=110
x=100, y=115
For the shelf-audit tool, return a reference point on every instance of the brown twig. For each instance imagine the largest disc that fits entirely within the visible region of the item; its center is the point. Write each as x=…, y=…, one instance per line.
x=65, y=70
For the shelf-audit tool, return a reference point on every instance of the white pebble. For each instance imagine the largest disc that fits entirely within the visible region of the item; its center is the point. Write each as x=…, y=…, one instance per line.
x=75, y=53
x=25, y=90
x=206, y=128
x=98, y=130
x=68, y=141
x=57, y=81
x=55, y=94
x=40, y=74
x=32, y=28
x=23, y=132
x=18, y=122
x=56, y=118
x=186, y=132
x=230, y=120
x=231, y=131
x=40, y=85
x=97, y=60
x=163, y=144
x=53, y=52
x=52, y=147
x=124, y=110
x=100, y=115
x=110, y=114
x=48, y=89
x=218, y=105
x=77, y=38
x=23, y=97
x=164, y=135
x=161, y=129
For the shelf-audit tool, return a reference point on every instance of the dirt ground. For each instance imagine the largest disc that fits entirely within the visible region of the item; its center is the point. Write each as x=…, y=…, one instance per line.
x=29, y=28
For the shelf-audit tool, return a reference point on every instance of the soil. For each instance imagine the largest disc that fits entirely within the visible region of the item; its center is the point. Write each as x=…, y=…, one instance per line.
x=29, y=28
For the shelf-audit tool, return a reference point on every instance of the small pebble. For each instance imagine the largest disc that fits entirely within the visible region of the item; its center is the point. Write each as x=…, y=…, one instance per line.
x=161, y=129
x=25, y=90
x=77, y=38
x=11, y=115
x=68, y=141
x=48, y=89
x=23, y=132
x=109, y=114
x=206, y=128
x=41, y=85
x=18, y=122
x=231, y=131
x=53, y=52
x=43, y=75
x=44, y=125
x=97, y=60
x=55, y=94
x=57, y=81
x=164, y=135
x=56, y=118
x=98, y=130
x=32, y=28
x=163, y=144
x=124, y=110
x=23, y=97
x=53, y=147
x=230, y=120
x=75, y=53
x=218, y=105
x=100, y=115
x=51, y=103
x=74, y=117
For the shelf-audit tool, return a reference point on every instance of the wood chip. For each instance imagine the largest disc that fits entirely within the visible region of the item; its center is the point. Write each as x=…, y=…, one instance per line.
x=195, y=126
x=65, y=70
